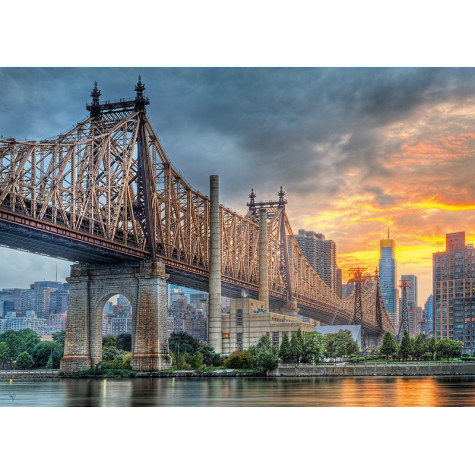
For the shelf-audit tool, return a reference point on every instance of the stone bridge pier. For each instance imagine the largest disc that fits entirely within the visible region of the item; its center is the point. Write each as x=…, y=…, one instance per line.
x=90, y=287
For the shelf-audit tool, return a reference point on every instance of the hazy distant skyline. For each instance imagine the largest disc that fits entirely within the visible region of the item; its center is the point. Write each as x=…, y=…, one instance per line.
x=357, y=150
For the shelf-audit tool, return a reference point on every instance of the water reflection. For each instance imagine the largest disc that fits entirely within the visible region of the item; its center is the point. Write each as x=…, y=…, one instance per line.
x=281, y=392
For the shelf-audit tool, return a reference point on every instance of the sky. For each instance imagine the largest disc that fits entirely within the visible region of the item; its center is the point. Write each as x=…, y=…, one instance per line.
x=357, y=150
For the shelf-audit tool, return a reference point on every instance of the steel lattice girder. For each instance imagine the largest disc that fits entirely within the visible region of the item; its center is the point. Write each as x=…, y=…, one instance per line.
x=110, y=181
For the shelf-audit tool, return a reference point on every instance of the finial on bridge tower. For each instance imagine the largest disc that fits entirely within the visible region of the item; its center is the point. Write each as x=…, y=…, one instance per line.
x=139, y=89
x=95, y=94
x=281, y=195
x=95, y=107
x=252, y=197
x=140, y=100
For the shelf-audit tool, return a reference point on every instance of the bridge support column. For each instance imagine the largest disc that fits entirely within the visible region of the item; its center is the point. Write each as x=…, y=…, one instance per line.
x=263, y=271
x=214, y=315
x=151, y=327
x=144, y=285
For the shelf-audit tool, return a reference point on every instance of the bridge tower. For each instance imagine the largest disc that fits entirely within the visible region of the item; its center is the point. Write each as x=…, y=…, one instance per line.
x=359, y=277
x=404, y=323
x=90, y=287
x=142, y=282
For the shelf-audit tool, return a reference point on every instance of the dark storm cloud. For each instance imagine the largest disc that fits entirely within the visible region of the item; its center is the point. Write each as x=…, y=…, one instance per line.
x=255, y=127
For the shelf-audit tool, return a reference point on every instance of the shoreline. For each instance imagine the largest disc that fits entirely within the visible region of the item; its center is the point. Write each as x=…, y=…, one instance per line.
x=283, y=371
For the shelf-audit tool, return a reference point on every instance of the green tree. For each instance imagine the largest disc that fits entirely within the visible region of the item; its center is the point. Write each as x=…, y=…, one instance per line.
x=209, y=355
x=405, y=348
x=109, y=340
x=110, y=353
x=295, y=348
x=181, y=361
x=265, y=343
x=340, y=345
x=181, y=342
x=30, y=338
x=50, y=364
x=330, y=345
x=44, y=350
x=446, y=349
x=198, y=361
x=15, y=343
x=285, y=352
x=420, y=346
x=24, y=361
x=240, y=360
x=4, y=354
x=313, y=347
x=59, y=337
x=431, y=345
x=124, y=342
x=266, y=360
x=389, y=346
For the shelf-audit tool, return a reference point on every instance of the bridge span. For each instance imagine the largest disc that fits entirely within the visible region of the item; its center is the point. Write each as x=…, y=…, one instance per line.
x=104, y=193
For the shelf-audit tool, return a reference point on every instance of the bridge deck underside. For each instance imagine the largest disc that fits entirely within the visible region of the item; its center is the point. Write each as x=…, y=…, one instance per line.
x=28, y=234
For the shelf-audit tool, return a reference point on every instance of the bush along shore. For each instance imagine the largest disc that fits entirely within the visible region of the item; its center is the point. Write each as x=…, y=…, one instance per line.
x=23, y=355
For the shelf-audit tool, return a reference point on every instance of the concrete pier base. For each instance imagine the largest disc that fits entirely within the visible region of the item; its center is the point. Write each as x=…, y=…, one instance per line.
x=90, y=287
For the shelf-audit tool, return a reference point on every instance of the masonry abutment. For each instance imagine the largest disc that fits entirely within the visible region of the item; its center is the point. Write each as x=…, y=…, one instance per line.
x=144, y=285
x=214, y=314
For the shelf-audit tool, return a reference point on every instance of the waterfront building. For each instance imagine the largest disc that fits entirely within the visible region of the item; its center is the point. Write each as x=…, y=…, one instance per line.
x=415, y=318
x=45, y=284
x=428, y=315
x=321, y=254
x=57, y=322
x=12, y=322
x=248, y=321
x=388, y=279
x=58, y=301
x=120, y=325
x=13, y=295
x=6, y=306
x=37, y=299
x=454, y=291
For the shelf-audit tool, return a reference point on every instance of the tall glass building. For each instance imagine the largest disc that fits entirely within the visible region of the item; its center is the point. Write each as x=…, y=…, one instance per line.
x=388, y=279
x=454, y=291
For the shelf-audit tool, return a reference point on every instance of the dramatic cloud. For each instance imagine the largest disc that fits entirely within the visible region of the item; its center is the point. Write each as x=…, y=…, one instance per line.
x=357, y=150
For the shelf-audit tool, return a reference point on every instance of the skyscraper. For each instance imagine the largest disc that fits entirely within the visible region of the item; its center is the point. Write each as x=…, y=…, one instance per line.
x=454, y=293
x=321, y=254
x=388, y=279
x=428, y=316
x=412, y=300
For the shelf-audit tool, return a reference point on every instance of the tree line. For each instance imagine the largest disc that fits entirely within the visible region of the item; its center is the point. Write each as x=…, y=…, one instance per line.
x=27, y=351
x=421, y=347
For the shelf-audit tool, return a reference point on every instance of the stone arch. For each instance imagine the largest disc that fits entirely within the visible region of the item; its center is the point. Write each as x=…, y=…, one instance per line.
x=144, y=285
x=99, y=307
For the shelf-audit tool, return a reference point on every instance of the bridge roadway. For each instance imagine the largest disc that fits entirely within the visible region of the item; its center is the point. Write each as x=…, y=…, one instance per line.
x=22, y=232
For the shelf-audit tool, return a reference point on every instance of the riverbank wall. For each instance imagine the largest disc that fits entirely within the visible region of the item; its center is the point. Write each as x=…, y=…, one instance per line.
x=40, y=375
x=30, y=375
x=442, y=369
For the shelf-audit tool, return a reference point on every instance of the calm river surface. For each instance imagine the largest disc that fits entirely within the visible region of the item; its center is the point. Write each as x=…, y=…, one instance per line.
x=343, y=392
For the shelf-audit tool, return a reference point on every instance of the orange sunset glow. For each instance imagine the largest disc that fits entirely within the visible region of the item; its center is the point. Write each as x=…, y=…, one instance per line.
x=422, y=190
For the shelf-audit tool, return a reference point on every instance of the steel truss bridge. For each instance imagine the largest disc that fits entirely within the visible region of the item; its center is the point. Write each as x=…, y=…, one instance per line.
x=105, y=192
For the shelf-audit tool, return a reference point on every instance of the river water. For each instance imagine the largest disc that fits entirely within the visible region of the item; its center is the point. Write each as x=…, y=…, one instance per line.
x=306, y=392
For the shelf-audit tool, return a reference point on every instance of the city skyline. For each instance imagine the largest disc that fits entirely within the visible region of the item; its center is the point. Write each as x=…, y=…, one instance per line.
x=357, y=150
